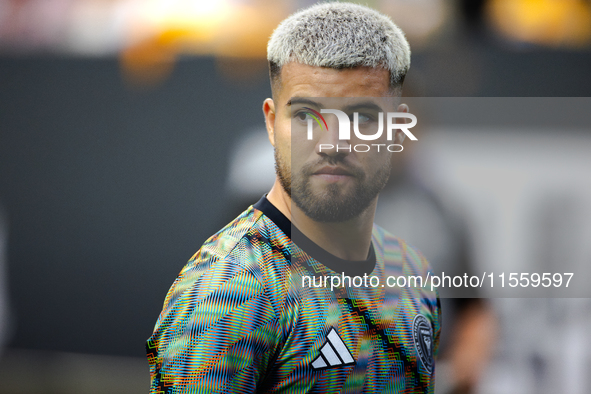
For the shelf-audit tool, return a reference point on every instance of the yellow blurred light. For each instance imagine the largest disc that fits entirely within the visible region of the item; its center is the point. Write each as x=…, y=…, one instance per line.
x=543, y=22
x=219, y=28
x=198, y=18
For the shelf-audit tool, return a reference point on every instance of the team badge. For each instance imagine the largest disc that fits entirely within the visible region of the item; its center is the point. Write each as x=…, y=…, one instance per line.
x=422, y=334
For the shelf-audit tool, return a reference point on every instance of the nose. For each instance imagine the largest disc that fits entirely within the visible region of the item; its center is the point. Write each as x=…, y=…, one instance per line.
x=329, y=143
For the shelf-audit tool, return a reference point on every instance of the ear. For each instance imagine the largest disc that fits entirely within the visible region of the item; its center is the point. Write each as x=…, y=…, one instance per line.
x=399, y=134
x=269, y=111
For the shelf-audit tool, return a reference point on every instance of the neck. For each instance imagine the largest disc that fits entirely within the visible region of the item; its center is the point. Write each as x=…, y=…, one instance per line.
x=348, y=240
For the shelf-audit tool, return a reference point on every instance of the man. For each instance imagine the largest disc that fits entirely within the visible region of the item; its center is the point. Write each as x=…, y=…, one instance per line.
x=257, y=308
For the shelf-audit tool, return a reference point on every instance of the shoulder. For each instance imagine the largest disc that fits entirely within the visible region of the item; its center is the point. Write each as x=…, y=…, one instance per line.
x=402, y=259
x=238, y=259
x=396, y=251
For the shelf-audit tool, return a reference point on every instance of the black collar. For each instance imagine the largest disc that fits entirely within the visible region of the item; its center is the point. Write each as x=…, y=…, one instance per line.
x=348, y=267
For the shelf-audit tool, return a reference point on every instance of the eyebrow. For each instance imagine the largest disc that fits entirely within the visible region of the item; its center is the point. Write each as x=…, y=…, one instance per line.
x=298, y=100
x=367, y=105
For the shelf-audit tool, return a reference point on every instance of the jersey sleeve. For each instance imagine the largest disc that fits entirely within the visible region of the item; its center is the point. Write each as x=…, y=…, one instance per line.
x=216, y=333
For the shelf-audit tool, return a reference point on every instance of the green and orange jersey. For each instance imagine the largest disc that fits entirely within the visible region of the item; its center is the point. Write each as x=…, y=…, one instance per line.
x=239, y=319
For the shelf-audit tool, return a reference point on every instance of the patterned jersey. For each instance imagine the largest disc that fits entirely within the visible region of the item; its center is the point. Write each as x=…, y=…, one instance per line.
x=253, y=311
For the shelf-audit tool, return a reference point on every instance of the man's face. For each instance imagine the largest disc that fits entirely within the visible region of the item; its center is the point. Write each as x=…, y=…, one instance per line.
x=329, y=185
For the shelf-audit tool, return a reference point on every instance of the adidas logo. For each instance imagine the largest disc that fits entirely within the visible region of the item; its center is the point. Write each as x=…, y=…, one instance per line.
x=333, y=353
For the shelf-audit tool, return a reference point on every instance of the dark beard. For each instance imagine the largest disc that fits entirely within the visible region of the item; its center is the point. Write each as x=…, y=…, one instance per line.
x=331, y=205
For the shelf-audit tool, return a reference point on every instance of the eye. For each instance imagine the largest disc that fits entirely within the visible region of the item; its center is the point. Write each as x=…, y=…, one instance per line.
x=302, y=116
x=363, y=118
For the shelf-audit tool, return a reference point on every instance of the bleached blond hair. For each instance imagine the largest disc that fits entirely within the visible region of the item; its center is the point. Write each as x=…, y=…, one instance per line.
x=340, y=35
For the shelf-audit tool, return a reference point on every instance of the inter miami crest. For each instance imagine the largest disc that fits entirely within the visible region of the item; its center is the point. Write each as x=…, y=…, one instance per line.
x=422, y=334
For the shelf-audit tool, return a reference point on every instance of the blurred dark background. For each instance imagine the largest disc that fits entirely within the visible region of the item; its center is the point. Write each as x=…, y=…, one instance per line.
x=112, y=175
x=110, y=189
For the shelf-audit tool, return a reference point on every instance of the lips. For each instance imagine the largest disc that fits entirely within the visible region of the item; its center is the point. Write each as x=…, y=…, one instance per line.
x=329, y=170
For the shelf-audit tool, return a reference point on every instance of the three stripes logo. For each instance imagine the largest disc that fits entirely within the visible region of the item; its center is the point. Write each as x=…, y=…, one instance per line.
x=333, y=353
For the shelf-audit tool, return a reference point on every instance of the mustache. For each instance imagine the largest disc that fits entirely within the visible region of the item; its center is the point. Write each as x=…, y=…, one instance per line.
x=309, y=169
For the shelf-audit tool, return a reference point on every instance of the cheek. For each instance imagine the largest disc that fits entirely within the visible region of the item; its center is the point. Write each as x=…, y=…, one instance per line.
x=282, y=132
x=283, y=146
x=374, y=162
x=301, y=148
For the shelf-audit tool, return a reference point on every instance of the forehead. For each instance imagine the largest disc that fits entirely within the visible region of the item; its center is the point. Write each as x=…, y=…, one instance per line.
x=301, y=80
